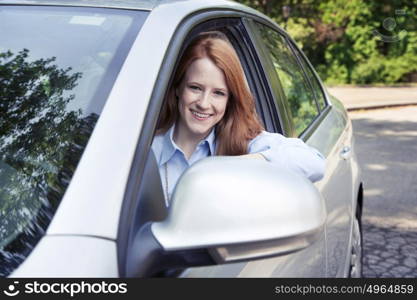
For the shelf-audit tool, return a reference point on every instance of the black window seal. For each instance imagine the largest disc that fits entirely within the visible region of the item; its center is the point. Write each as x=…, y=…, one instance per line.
x=251, y=61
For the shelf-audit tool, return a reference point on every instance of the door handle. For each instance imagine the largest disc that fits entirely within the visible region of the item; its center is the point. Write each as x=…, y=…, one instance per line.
x=346, y=152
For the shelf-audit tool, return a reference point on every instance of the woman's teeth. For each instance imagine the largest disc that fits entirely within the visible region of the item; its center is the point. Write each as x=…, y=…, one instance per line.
x=200, y=115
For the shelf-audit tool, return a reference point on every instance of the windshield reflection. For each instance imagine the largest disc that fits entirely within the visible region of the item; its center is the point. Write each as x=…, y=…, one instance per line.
x=58, y=65
x=41, y=142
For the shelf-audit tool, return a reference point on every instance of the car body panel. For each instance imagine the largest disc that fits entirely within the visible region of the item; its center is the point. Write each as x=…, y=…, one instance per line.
x=122, y=4
x=356, y=182
x=70, y=256
x=331, y=137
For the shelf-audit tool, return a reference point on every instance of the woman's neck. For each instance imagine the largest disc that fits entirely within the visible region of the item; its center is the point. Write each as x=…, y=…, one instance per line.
x=186, y=141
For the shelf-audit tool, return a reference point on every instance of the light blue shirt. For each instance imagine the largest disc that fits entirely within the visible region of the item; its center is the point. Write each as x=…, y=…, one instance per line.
x=290, y=153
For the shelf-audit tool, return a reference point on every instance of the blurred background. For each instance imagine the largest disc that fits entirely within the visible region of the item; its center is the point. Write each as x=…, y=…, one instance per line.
x=351, y=42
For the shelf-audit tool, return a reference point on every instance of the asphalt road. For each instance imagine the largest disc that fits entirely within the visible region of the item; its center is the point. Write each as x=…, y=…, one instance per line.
x=355, y=97
x=386, y=144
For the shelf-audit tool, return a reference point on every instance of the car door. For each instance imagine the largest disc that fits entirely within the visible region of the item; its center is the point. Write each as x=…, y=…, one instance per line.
x=312, y=261
x=309, y=262
x=343, y=179
x=320, y=124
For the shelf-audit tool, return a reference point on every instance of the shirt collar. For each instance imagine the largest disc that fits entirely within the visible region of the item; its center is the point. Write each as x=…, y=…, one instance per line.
x=211, y=141
x=169, y=147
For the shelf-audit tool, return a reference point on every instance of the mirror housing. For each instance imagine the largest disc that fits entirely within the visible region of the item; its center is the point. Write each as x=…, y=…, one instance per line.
x=229, y=209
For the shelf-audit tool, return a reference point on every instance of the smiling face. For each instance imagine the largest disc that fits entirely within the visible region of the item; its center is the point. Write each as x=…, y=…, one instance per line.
x=203, y=96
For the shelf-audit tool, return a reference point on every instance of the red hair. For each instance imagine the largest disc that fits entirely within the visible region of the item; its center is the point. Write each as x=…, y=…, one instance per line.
x=240, y=123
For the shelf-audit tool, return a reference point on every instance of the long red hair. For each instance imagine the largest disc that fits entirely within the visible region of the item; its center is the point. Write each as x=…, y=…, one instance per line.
x=240, y=123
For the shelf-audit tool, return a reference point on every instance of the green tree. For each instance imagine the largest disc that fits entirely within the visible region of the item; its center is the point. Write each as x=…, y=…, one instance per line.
x=352, y=41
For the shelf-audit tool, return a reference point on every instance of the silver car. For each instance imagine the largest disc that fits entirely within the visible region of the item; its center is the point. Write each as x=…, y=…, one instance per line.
x=82, y=83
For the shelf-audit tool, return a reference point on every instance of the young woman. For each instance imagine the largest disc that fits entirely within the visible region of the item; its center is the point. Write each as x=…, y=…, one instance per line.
x=210, y=110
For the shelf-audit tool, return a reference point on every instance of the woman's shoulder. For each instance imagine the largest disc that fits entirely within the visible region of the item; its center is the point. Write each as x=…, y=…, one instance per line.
x=267, y=135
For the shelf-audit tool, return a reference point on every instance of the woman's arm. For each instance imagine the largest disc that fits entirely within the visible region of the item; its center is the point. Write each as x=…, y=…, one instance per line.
x=291, y=153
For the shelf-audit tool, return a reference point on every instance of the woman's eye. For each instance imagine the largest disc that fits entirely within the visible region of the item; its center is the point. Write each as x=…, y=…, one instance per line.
x=194, y=87
x=220, y=93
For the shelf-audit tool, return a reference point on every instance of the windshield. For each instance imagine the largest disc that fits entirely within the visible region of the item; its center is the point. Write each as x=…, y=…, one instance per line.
x=57, y=67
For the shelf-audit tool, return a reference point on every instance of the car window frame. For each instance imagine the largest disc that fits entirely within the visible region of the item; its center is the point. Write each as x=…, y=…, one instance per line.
x=134, y=184
x=307, y=64
x=322, y=112
x=295, y=51
x=253, y=73
x=277, y=103
x=275, y=81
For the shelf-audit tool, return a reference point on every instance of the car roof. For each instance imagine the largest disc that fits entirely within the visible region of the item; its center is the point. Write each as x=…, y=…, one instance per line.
x=147, y=5
x=129, y=4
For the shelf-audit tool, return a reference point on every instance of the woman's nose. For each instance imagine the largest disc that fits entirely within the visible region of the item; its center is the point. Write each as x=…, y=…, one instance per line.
x=204, y=101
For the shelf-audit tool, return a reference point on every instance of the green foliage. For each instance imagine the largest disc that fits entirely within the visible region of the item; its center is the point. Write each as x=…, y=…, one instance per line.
x=355, y=41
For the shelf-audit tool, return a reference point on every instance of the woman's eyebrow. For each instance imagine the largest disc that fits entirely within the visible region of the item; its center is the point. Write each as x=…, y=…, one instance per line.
x=193, y=82
x=216, y=88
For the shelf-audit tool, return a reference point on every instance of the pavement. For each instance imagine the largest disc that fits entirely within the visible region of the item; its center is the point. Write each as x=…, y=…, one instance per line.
x=389, y=252
x=386, y=149
x=358, y=98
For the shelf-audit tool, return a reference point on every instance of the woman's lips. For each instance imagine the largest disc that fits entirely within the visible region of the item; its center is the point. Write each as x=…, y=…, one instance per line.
x=199, y=115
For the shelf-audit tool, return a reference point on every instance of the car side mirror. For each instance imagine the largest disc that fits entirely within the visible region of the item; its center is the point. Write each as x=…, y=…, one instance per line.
x=229, y=209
